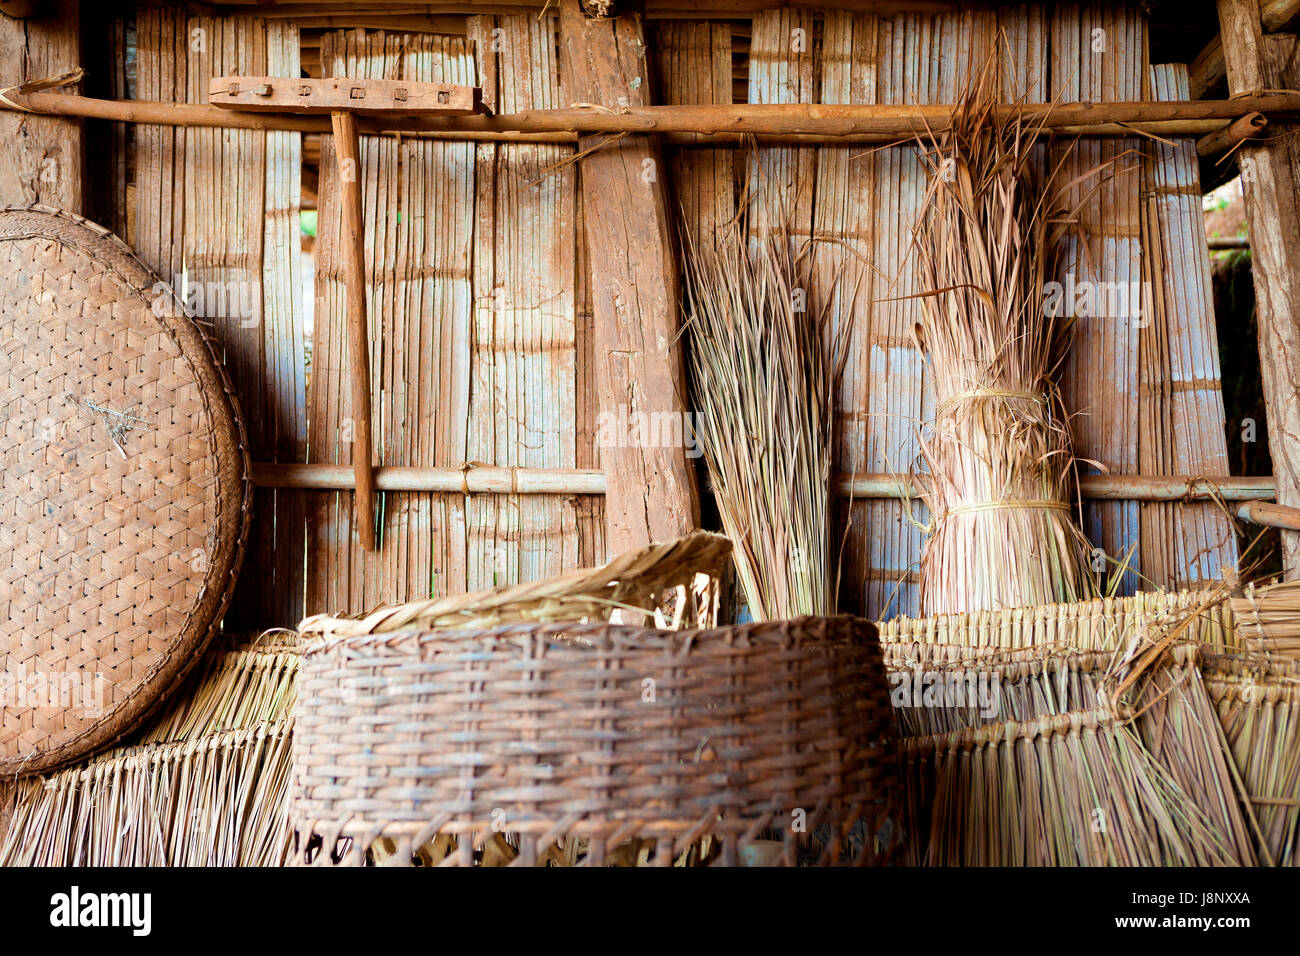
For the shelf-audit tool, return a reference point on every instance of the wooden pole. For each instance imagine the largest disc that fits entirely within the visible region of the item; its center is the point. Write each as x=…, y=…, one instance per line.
x=347, y=148
x=1270, y=176
x=1222, y=140
x=42, y=158
x=1270, y=515
x=651, y=492
x=698, y=125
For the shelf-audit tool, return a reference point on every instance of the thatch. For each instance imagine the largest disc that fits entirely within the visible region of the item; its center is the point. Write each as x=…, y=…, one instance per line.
x=1112, y=756
x=205, y=783
x=1258, y=703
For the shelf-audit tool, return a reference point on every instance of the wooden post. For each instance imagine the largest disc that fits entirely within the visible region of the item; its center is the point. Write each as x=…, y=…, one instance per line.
x=42, y=158
x=1270, y=175
x=347, y=148
x=651, y=493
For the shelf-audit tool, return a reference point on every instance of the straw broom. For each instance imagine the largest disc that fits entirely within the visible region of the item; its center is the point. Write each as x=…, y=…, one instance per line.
x=765, y=357
x=999, y=452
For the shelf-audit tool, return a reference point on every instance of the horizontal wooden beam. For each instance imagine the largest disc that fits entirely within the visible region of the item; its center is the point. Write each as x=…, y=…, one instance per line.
x=702, y=125
x=479, y=479
x=485, y=479
x=277, y=94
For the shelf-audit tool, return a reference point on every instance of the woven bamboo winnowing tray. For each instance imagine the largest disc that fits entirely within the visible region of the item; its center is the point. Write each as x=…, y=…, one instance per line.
x=124, y=489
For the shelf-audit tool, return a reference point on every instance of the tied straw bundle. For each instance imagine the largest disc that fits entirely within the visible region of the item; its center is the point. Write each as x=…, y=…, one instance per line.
x=766, y=356
x=999, y=452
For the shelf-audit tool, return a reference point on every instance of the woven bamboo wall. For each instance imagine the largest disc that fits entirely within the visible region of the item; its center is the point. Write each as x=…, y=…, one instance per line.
x=481, y=331
x=475, y=331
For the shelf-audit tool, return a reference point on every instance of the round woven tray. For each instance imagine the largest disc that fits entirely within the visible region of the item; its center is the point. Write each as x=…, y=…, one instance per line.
x=762, y=736
x=124, y=489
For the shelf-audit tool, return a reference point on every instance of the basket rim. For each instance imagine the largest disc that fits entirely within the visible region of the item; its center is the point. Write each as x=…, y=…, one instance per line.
x=610, y=635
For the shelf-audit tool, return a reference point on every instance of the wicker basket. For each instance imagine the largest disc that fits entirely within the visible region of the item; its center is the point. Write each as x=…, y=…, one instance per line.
x=555, y=741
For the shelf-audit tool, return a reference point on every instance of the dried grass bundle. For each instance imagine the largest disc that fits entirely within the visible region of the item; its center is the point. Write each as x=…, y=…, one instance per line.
x=999, y=452
x=1258, y=703
x=1059, y=776
x=766, y=357
x=205, y=783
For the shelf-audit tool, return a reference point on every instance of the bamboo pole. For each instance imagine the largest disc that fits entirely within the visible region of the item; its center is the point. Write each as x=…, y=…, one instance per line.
x=1224, y=139
x=483, y=479
x=347, y=147
x=701, y=125
x=1271, y=515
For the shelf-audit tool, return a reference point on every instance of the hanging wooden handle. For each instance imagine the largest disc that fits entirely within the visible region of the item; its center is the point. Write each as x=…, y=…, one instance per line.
x=347, y=149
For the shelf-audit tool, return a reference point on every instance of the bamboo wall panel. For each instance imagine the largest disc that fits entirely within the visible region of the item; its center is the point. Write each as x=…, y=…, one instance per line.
x=472, y=271
x=1182, y=433
x=1098, y=55
x=523, y=410
x=220, y=208
x=781, y=70
x=417, y=207
x=693, y=62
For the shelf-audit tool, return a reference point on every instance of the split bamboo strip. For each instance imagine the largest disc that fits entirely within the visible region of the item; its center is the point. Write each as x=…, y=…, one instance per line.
x=522, y=402
x=1258, y=703
x=1181, y=399
x=203, y=784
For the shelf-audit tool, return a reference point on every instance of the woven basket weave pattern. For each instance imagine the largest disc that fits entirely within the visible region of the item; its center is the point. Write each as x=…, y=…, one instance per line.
x=602, y=731
x=118, y=546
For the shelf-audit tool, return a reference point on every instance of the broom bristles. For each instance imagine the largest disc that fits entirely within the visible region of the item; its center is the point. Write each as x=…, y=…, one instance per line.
x=998, y=456
x=766, y=355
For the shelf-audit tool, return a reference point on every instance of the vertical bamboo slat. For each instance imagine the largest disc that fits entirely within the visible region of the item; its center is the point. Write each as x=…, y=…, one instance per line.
x=781, y=71
x=522, y=394
x=1183, y=544
x=217, y=216
x=1098, y=55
